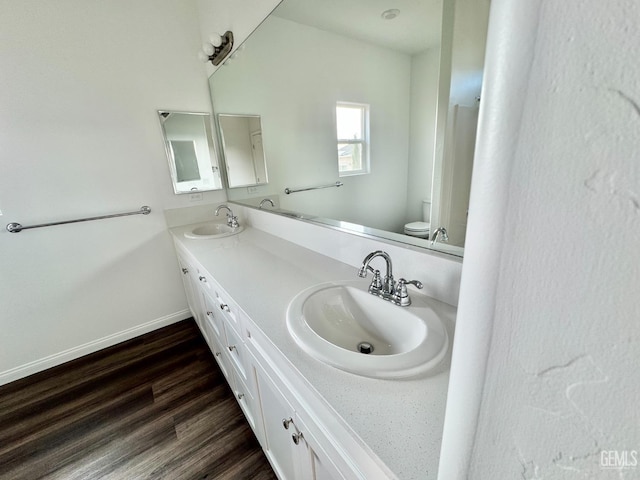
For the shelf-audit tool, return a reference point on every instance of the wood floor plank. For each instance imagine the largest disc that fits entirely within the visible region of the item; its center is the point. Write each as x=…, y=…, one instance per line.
x=155, y=407
x=44, y=385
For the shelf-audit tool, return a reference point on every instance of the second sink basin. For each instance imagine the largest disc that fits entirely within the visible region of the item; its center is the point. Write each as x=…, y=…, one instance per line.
x=212, y=230
x=341, y=324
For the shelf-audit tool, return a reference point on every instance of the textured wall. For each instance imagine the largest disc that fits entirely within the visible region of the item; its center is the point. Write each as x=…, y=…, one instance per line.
x=562, y=381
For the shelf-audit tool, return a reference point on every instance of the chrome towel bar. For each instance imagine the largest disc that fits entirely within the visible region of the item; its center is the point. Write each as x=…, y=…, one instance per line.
x=289, y=190
x=16, y=227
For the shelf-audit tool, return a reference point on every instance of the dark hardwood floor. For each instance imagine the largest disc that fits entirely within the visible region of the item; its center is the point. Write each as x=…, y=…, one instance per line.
x=154, y=407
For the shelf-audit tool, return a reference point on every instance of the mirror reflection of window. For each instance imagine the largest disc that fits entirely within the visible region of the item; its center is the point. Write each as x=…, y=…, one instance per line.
x=352, y=128
x=184, y=154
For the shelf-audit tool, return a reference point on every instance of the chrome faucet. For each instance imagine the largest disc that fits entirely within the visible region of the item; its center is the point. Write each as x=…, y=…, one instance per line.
x=378, y=287
x=440, y=233
x=387, y=289
x=232, y=220
x=266, y=200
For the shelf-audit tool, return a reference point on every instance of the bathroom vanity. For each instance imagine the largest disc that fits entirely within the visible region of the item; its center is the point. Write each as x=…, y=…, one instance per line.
x=312, y=420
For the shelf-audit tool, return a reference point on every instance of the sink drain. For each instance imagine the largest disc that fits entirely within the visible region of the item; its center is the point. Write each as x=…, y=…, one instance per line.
x=365, y=347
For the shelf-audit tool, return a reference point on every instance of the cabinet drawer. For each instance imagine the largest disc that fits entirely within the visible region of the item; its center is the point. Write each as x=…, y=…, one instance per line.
x=229, y=310
x=214, y=317
x=206, y=282
x=222, y=358
x=237, y=353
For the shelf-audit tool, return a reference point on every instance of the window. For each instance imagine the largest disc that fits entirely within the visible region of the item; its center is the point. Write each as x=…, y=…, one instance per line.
x=352, y=125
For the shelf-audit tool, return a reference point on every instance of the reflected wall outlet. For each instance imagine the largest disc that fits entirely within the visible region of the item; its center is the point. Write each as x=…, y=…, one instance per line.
x=252, y=189
x=195, y=197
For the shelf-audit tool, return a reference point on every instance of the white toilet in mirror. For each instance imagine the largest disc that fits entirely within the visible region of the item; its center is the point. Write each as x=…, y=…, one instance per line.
x=420, y=229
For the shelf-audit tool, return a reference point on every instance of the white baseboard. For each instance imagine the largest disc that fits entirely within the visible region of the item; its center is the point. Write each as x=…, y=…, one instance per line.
x=76, y=352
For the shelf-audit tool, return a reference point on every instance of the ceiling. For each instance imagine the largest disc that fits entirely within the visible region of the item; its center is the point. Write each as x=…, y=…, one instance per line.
x=415, y=29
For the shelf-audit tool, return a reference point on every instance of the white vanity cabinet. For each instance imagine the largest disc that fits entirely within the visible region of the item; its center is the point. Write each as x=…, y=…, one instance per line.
x=219, y=320
x=230, y=328
x=299, y=433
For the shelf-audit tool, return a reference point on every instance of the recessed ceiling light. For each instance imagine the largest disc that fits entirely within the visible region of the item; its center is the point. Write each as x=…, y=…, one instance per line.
x=390, y=14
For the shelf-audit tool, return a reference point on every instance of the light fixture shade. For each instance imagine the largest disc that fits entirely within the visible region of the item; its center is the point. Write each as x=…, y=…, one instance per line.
x=208, y=49
x=217, y=54
x=215, y=39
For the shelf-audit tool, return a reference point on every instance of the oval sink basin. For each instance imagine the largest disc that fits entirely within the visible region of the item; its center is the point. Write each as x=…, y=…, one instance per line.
x=343, y=325
x=212, y=230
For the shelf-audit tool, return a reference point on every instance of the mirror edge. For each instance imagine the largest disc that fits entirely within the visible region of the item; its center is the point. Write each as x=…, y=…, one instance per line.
x=450, y=252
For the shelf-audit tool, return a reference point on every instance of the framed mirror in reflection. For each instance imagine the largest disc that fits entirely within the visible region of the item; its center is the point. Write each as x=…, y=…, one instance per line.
x=418, y=71
x=188, y=140
x=242, y=149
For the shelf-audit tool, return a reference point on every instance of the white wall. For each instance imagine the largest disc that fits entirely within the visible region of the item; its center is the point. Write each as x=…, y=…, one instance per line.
x=81, y=83
x=237, y=150
x=468, y=32
x=424, y=103
x=558, y=260
x=468, y=50
x=298, y=117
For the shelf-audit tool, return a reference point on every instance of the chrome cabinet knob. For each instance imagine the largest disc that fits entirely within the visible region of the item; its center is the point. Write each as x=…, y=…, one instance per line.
x=185, y=271
x=218, y=354
x=202, y=279
x=232, y=348
x=286, y=422
x=225, y=307
x=209, y=313
x=240, y=396
x=296, y=437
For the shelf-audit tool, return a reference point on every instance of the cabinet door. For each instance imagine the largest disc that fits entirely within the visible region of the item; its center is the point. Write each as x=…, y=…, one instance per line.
x=248, y=402
x=277, y=416
x=315, y=461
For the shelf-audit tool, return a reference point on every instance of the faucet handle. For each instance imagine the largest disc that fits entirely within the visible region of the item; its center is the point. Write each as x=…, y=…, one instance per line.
x=232, y=221
x=401, y=295
x=376, y=283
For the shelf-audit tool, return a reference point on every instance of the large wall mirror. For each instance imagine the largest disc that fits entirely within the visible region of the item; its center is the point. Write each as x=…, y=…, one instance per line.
x=188, y=141
x=414, y=72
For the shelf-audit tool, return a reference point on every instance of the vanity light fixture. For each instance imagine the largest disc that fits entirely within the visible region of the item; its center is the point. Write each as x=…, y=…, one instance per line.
x=217, y=49
x=390, y=14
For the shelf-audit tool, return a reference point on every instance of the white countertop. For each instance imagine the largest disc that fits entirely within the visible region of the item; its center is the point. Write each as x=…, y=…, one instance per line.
x=401, y=421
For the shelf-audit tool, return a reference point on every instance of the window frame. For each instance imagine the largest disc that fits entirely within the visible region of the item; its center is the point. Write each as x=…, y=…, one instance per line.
x=364, y=142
